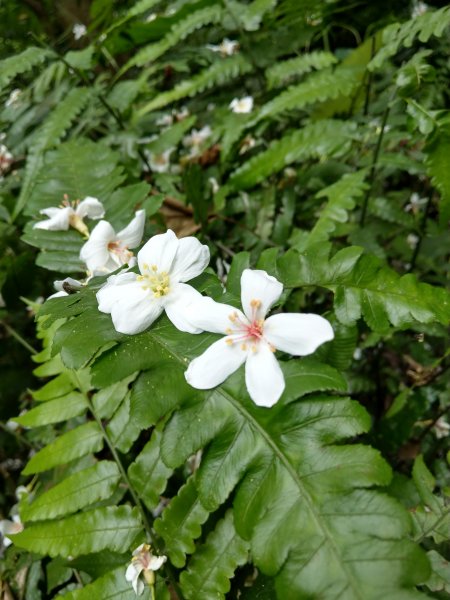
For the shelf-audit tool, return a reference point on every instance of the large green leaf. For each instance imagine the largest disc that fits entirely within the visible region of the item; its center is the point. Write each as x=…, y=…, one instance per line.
x=54, y=411
x=75, y=492
x=111, y=585
x=91, y=531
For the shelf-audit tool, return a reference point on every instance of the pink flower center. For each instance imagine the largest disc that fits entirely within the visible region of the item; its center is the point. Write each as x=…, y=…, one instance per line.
x=121, y=251
x=246, y=330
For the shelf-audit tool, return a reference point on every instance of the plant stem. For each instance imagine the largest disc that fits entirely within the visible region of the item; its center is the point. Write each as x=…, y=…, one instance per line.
x=19, y=338
x=374, y=164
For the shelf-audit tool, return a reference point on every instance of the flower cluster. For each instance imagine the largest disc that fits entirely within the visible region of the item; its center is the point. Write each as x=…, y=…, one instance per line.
x=166, y=263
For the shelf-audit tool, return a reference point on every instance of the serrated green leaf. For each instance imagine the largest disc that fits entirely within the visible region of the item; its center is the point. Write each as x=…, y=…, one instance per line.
x=76, y=492
x=111, y=585
x=59, y=386
x=91, y=531
x=210, y=570
x=54, y=411
x=74, y=444
x=148, y=474
x=181, y=523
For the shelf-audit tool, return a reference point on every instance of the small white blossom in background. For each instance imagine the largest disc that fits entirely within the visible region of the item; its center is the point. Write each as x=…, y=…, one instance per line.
x=105, y=251
x=165, y=121
x=357, y=354
x=61, y=286
x=215, y=187
x=415, y=203
x=13, y=97
x=166, y=263
x=247, y=144
x=242, y=105
x=71, y=214
x=441, y=428
x=144, y=563
x=252, y=339
x=6, y=159
x=412, y=240
x=9, y=527
x=151, y=17
x=79, y=30
x=419, y=9
x=225, y=48
x=160, y=163
x=196, y=139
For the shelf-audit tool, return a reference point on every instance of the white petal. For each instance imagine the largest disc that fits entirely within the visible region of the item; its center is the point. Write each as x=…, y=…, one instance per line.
x=90, y=207
x=298, y=334
x=131, y=235
x=59, y=284
x=134, y=309
x=191, y=259
x=156, y=562
x=177, y=307
x=262, y=287
x=111, y=293
x=95, y=251
x=217, y=363
x=133, y=570
x=263, y=376
x=58, y=295
x=58, y=221
x=160, y=250
x=208, y=315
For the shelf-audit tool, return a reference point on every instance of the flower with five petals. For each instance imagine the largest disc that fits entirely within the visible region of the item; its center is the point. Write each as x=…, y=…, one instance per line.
x=144, y=563
x=105, y=251
x=71, y=214
x=251, y=338
x=242, y=105
x=165, y=263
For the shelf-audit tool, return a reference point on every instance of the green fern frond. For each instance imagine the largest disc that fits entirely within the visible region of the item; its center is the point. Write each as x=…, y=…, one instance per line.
x=431, y=23
x=198, y=19
x=21, y=63
x=250, y=15
x=219, y=73
x=278, y=74
x=437, y=153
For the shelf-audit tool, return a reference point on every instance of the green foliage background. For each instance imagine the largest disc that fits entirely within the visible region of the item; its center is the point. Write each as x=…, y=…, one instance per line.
x=338, y=184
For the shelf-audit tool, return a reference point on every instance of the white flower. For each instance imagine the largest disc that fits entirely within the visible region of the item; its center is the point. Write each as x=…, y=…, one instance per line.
x=247, y=144
x=412, y=240
x=419, y=9
x=165, y=120
x=415, y=202
x=441, y=428
x=215, y=187
x=160, y=163
x=225, y=48
x=62, y=285
x=6, y=159
x=106, y=250
x=145, y=563
x=79, y=30
x=13, y=97
x=252, y=339
x=196, y=139
x=71, y=214
x=166, y=263
x=242, y=105
x=8, y=527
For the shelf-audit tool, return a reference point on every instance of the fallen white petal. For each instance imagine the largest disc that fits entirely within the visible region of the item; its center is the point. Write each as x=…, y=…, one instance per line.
x=191, y=259
x=259, y=285
x=160, y=250
x=263, y=376
x=131, y=235
x=297, y=334
x=217, y=363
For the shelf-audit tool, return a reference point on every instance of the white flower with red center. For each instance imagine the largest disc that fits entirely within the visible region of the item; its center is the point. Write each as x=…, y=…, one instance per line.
x=251, y=338
x=160, y=163
x=165, y=263
x=105, y=251
x=242, y=105
x=144, y=563
x=71, y=214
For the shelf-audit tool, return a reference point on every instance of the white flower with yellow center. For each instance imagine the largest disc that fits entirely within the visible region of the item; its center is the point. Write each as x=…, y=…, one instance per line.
x=144, y=563
x=160, y=163
x=252, y=339
x=242, y=105
x=71, y=214
x=105, y=251
x=165, y=263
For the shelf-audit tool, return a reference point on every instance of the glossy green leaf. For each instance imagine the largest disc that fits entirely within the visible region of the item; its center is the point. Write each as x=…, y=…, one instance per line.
x=112, y=585
x=54, y=411
x=91, y=531
x=75, y=492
